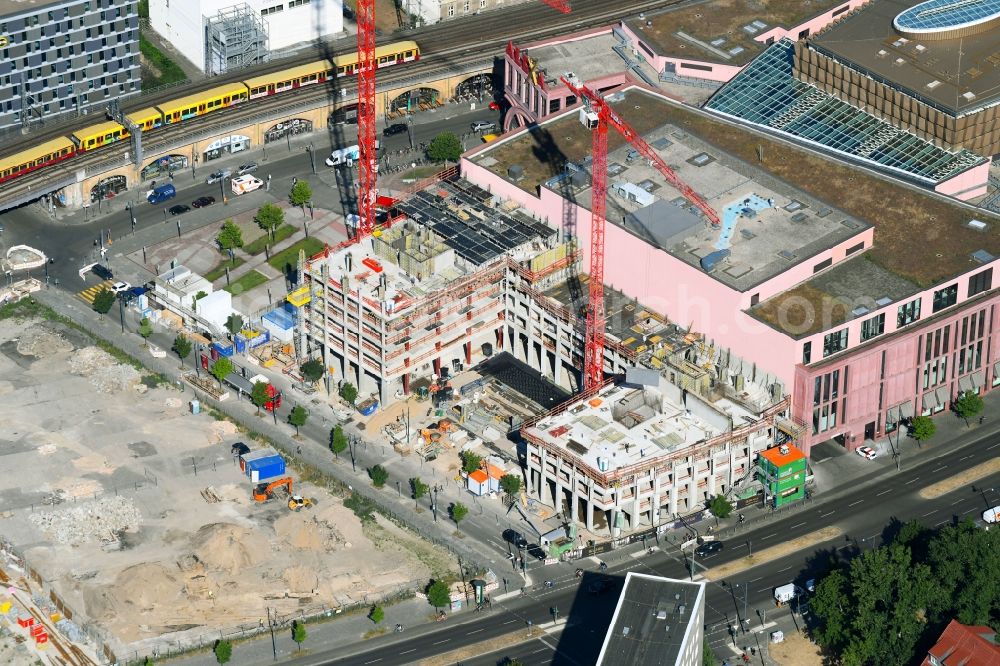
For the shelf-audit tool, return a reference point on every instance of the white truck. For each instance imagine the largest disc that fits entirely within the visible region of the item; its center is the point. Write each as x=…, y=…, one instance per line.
x=244, y=184
x=785, y=593
x=992, y=516
x=340, y=156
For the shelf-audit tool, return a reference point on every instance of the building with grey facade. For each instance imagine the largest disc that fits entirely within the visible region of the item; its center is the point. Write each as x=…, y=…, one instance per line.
x=65, y=56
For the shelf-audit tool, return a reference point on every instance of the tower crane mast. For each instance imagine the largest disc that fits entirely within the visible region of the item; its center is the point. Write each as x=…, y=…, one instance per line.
x=367, y=159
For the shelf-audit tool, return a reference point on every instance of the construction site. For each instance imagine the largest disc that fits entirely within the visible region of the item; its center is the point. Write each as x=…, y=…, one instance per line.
x=134, y=525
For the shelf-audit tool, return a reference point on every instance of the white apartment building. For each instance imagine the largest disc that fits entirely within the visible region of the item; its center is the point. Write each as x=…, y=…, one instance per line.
x=432, y=11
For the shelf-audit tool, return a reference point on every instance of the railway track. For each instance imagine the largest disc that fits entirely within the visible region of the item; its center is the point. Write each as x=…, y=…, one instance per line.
x=445, y=48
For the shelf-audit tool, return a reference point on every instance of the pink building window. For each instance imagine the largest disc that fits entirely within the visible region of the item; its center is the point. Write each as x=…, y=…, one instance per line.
x=827, y=402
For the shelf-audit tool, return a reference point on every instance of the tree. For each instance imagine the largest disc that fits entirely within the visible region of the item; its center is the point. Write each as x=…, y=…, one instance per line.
x=297, y=417
x=419, y=488
x=379, y=475
x=922, y=428
x=338, y=441
x=832, y=606
x=148, y=661
x=301, y=193
x=349, y=393
x=299, y=634
x=234, y=324
x=230, y=238
x=445, y=146
x=223, y=651
x=376, y=614
x=470, y=461
x=221, y=369
x=182, y=347
x=103, y=301
x=720, y=506
x=145, y=330
x=512, y=661
x=269, y=217
x=510, y=484
x=438, y=594
x=458, y=512
x=968, y=405
x=259, y=395
x=312, y=370
x=707, y=656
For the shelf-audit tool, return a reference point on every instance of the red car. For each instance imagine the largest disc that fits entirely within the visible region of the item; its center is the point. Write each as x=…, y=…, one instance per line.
x=494, y=106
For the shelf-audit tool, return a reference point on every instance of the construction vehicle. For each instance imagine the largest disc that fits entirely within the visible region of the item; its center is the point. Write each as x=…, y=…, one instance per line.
x=265, y=491
x=296, y=502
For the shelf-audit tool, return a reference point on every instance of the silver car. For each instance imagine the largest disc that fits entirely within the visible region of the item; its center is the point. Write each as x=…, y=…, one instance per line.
x=246, y=168
x=219, y=175
x=483, y=126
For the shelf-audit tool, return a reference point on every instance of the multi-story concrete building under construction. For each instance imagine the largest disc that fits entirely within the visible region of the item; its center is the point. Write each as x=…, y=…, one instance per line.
x=65, y=58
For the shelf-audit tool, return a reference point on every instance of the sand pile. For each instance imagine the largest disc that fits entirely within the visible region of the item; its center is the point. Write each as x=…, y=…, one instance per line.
x=40, y=342
x=79, y=524
x=301, y=579
x=228, y=547
x=220, y=430
x=143, y=587
x=300, y=531
x=105, y=373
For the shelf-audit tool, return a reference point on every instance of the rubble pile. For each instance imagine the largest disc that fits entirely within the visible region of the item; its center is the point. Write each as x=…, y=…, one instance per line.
x=106, y=374
x=40, y=342
x=102, y=519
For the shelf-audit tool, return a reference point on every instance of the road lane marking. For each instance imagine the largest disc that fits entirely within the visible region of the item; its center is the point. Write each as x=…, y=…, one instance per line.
x=783, y=570
x=769, y=536
x=373, y=660
x=958, y=501
x=794, y=526
x=765, y=589
x=988, y=448
x=757, y=579
x=887, y=490
x=439, y=642
x=408, y=651
x=544, y=649
x=938, y=469
x=855, y=503
x=929, y=513
x=966, y=457
x=510, y=621
x=474, y=631
x=824, y=515
x=916, y=478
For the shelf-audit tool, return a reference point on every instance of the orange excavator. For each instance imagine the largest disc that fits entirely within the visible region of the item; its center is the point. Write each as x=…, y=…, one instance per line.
x=265, y=491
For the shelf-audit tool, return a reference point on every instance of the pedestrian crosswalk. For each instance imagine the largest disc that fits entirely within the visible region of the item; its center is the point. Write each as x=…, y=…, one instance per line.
x=90, y=293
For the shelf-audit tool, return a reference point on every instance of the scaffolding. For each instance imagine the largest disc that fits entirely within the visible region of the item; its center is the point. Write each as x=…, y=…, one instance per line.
x=235, y=37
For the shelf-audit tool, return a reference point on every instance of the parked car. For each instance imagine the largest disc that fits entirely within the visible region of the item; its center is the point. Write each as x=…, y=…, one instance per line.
x=867, y=452
x=536, y=551
x=392, y=130
x=201, y=202
x=244, y=169
x=120, y=287
x=102, y=271
x=219, y=175
x=708, y=549
x=515, y=537
x=483, y=126
x=179, y=209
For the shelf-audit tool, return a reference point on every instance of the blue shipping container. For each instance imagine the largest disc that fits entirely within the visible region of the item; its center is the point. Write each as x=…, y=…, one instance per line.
x=223, y=350
x=265, y=468
x=241, y=344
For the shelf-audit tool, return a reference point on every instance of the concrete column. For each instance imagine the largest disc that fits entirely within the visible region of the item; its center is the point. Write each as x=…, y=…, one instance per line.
x=437, y=366
x=590, y=504
x=654, y=506
x=542, y=458
x=468, y=352
x=673, y=489
x=574, y=499
x=406, y=383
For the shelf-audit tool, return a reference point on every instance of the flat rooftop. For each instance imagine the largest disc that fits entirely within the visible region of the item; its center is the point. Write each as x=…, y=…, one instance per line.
x=590, y=59
x=955, y=75
x=766, y=228
x=722, y=31
x=653, y=618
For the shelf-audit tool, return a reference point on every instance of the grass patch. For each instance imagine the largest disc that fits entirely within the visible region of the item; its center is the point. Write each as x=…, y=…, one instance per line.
x=372, y=633
x=289, y=256
x=362, y=508
x=168, y=70
x=257, y=246
x=422, y=172
x=246, y=283
x=220, y=268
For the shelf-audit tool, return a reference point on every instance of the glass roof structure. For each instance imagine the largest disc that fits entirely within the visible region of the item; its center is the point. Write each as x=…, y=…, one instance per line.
x=947, y=17
x=766, y=94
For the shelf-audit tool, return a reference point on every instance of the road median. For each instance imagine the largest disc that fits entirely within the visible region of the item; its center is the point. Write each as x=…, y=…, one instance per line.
x=773, y=553
x=952, y=483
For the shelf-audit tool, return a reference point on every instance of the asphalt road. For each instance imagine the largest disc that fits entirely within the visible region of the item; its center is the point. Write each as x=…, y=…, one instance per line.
x=866, y=515
x=71, y=239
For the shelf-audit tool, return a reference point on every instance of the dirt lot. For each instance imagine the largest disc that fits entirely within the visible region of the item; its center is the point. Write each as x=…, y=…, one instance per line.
x=795, y=650
x=134, y=511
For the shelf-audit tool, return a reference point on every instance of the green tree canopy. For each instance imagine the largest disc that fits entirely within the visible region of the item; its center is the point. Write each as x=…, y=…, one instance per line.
x=376, y=614
x=221, y=368
x=470, y=461
x=269, y=217
x=312, y=370
x=348, y=392
x=720, y=506
x=922, y=428
x=145, y=330
x=438, y=594
x=298, y=417
x=458, y=512
x=234, y=324
x=338, y=441
x=510, y=484
x=379, y=475
x=299, y=634
x=103, y=301
x=182, y=347
x=418, y=487
x=445, y=146
x=230, y=237
x=259, y=395
x=301, y=193
x=968, y=405
x=223, y=651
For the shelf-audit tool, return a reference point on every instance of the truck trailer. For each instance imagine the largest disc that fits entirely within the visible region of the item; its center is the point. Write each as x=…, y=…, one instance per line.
x=244, y=385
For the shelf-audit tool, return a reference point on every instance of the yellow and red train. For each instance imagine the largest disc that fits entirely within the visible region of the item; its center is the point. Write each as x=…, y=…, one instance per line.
x=198, y=104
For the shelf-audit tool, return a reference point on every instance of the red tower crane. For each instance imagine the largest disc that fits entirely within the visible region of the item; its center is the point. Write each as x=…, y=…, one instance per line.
x=599, y=116
x=367, y=65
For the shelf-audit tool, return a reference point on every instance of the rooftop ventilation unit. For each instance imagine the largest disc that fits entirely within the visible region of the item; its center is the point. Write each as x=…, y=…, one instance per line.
x=860, y=310
x=977, y=225
x=661, y=614
x=933, y=84
x=883, y=301
x=515, y=172
x=982, y=257
x=969, y=96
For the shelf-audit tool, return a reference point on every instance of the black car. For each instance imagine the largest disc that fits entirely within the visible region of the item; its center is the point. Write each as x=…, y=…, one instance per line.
x=201, y=202
x=515, y=537
x=102, y=271
x=536, y=551
x=179, y=209
x=708, y=549
x=392, y=130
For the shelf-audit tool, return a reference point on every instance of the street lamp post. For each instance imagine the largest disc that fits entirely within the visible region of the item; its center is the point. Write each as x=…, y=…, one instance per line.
x=312, y=157
x=398, y=491
x=121, y=311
